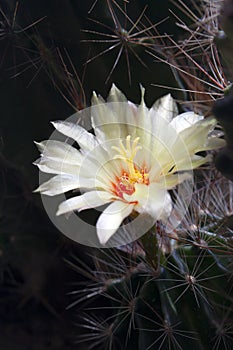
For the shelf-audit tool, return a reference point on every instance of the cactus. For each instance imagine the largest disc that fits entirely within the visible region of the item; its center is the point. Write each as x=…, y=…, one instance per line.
x=181, y=299
x=170, y=289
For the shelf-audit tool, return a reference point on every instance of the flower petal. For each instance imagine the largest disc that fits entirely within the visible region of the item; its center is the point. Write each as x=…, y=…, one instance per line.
x=165, y=108
x=85, y=139
x=153, y=200
x=115, y=95
x=185, y=120
x=163, y=136
x=115, y=119
x=87, y=200
x=50, y=166
x=63, y=183
x=192, y=163
x=170, y=181
x=111, y=218
x=196, y=136
x=60, y=151
x=214, y=143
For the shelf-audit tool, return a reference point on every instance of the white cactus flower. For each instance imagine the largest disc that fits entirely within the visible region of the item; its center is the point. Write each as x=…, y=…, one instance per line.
x=133, y=158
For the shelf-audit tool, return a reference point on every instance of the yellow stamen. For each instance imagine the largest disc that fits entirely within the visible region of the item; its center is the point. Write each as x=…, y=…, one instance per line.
x=132, y=174
x=127, y=153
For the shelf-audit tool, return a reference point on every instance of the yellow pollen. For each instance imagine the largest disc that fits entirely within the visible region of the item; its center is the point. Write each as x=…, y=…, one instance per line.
x=127, y=153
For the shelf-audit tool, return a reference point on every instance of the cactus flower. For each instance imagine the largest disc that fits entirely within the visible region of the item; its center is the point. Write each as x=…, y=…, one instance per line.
x=134, y=156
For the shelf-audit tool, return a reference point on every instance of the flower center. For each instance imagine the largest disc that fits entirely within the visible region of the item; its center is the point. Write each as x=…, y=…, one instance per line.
x=132, y=174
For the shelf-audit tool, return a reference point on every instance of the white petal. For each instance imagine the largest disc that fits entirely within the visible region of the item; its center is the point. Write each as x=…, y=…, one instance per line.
x=100, y=164
x=163, y=134
x=104, y=121
x=192, y=163
x=197, y=161
x=87, y=200
x=111, y=218
x=195, y=137
x=85, y=139
x=165, y=108
x=170, y=181
x=63, y=183
x=50, y=166
x=185, y=120
x=59, y=151
x=115, y=119
x=115, y=95
x=214, y=143
x=145, y=127
x=152, y=200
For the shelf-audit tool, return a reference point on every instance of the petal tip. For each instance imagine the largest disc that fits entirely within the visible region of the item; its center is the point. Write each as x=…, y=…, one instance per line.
x=36, y=162
x=103, y=237
x=37, y=143
x=54, y=123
